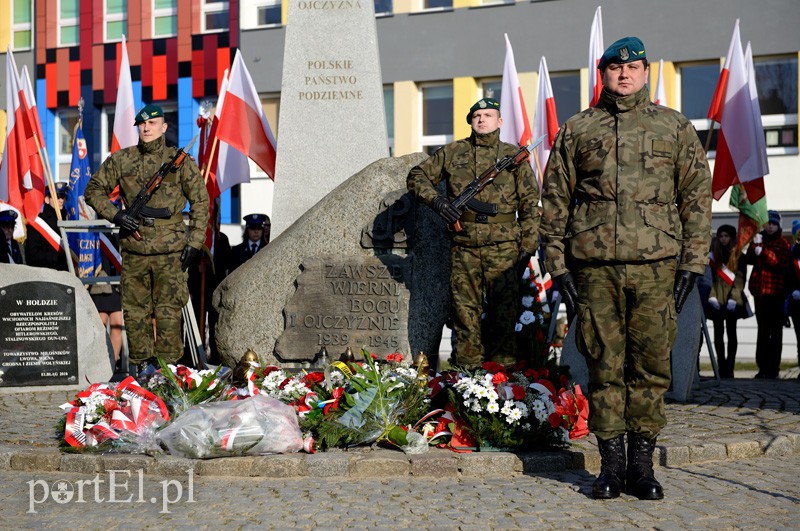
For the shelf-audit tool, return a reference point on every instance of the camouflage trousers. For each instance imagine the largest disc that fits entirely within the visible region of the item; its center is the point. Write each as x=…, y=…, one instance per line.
x=626, y=330
x=153, y=287
x=483, y=279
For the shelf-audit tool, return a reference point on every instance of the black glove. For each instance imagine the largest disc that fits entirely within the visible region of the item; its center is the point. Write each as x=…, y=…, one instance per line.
x=522, y=262
x=445, y=209
x=569, y=293
x=126, y=221
x=188, y=257
x=684, y=283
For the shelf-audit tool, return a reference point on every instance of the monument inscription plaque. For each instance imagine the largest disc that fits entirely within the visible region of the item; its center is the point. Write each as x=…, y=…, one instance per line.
x=38, y=335
x=341, y=301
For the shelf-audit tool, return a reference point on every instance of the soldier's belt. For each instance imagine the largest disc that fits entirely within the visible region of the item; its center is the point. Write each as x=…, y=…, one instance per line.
x=154, y=217
x=472, y=217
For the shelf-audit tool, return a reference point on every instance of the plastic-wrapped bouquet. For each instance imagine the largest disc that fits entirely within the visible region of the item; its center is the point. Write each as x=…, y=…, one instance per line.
x=182, y=387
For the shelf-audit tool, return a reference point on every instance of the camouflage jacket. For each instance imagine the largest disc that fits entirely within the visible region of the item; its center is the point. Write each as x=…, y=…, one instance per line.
x=627, y=181
x=513, y=191
x=131, y=168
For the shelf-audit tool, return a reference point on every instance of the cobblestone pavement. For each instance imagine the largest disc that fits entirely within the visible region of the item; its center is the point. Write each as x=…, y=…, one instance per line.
x=760, y=493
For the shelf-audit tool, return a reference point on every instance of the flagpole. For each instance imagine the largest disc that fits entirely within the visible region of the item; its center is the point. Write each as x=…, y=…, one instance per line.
x=208, y=161
x=710, y=134
x=49, y=178
x=538, y=167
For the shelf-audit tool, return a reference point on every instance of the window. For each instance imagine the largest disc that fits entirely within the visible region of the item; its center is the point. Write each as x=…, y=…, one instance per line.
x=437, y=116
x=776, y=82
x=21, y=24
x=388, y=106
x=496, y=2
x=116, y=19
x=259, y=13
x=68, y=22
x=566, y=93
x=698, y=82
x=383, y=7
x=492, y=89
x=165, y=18
x=65, y=128
x=215, y=15
x=437, y=4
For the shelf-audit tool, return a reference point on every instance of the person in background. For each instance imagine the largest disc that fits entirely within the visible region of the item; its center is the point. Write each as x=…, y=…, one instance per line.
x=627, y=190
x=10, y=252
x=38, y=251
x=793, y=300
x=726, y=301
x=769, y=256
x=107, y=299
x=255, y=238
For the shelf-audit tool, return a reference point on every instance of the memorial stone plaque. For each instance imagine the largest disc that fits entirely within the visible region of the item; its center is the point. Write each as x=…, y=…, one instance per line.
x=38, y=335
x=341, y=301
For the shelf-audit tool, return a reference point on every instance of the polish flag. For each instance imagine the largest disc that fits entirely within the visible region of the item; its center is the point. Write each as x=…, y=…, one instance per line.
x=229, y=165
x=717, y=101
x=761, y=140
x=661, y=94
x=516, y=126
x=125, y=134
x=30, y=97
x=21, y=173
x=242, y=122
x=595, y=53
x=545, y=121
x=741, y=155
x=226, y=165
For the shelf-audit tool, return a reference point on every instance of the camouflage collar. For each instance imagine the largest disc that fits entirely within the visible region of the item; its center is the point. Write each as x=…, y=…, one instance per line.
x=152, y=146
x=617, y=104
x=485, y=139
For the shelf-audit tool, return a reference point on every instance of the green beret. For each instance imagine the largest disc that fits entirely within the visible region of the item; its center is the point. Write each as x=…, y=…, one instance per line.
x=148, y=112
x=483, y=103
x=625, y=50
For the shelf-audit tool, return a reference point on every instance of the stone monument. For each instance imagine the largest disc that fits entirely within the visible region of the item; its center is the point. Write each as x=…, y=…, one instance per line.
x=683, y=357
x=332, y=121
x=367, y=266
x=51, y=335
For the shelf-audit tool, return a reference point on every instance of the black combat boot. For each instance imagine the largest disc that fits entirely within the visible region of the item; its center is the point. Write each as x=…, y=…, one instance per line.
x=611, y=480
x=640, y=479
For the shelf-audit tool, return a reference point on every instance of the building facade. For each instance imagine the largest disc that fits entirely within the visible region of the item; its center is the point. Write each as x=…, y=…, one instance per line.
x=437, y=58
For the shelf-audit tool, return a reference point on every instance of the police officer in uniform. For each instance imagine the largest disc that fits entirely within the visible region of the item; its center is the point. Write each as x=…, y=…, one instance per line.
x=255, y=238
x=10, y=252
x=154, y=283
x=487, y=254
x=627, y=225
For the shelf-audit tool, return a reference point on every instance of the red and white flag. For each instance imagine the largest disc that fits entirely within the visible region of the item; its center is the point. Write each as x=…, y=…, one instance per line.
x=242, y=122
x=516, y=126
x=595, y=53
x=230, y=165
x=761, y=140
x=740, y=140
x=545, y=121
x=30, y=97
x=21, y=173
x=661, y=94
x=125, y=134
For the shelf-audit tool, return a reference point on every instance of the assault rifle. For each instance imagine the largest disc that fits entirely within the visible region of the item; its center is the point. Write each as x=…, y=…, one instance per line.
x=140, y=201
x=465, y=198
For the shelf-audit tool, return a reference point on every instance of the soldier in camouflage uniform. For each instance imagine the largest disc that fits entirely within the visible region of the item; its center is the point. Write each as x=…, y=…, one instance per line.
x=627, y=224
x=154, y=279
x=486, y=255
